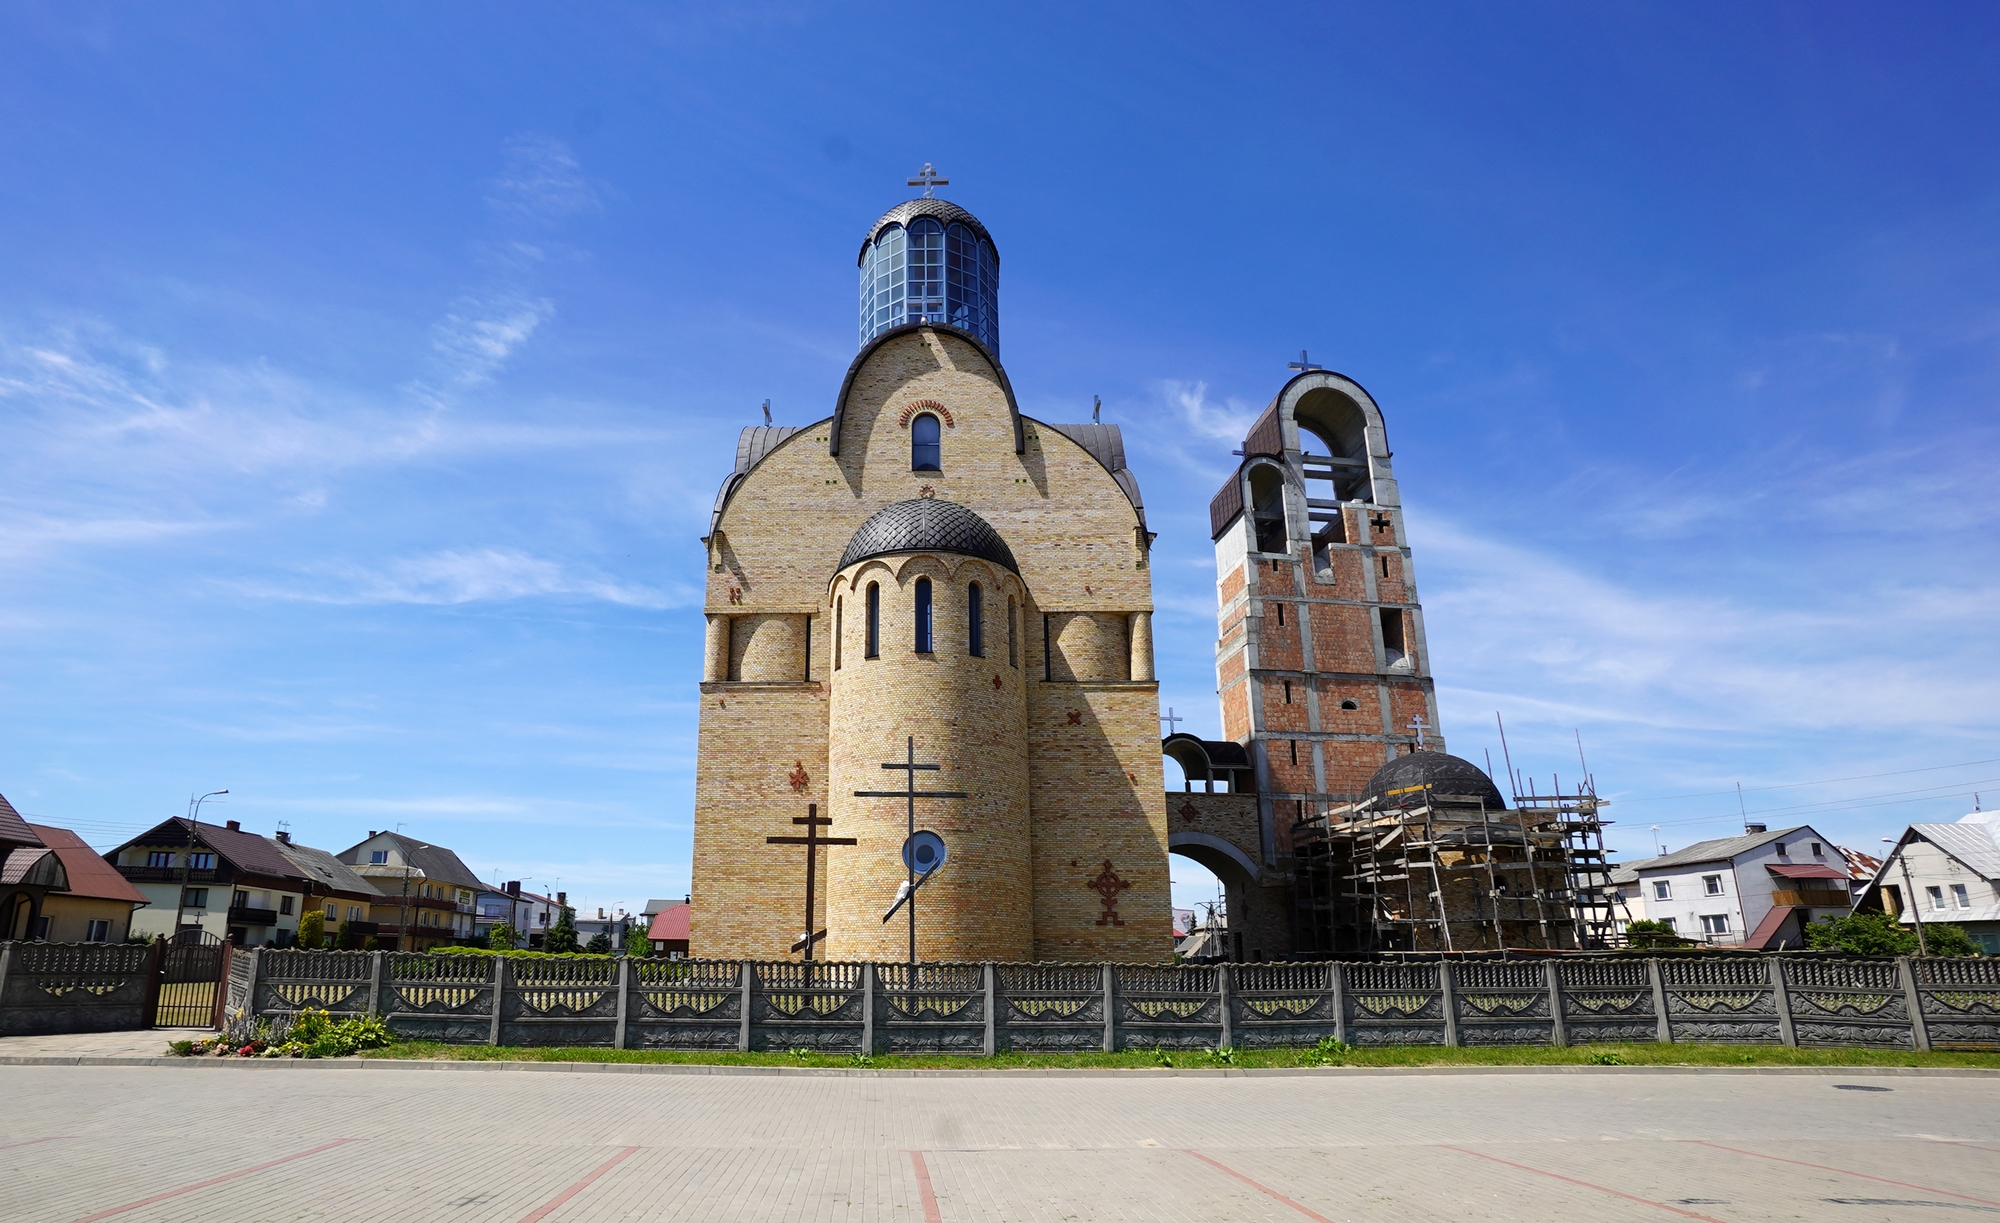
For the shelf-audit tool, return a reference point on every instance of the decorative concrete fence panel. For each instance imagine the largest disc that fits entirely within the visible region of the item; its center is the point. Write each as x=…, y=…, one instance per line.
x=46, y=988
x=1030, y=1008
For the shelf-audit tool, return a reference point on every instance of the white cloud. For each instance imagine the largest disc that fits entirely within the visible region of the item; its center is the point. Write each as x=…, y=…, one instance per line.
x=1224, y=422
x=469, y=576
x=476, y=337
x=542, y=180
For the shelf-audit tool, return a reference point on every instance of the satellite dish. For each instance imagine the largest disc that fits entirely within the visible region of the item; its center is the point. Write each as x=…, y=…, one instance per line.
x=924, y=851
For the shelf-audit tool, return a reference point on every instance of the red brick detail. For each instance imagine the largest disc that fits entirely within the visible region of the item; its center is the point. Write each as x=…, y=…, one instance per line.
x=1107, y=885
x=925, y=405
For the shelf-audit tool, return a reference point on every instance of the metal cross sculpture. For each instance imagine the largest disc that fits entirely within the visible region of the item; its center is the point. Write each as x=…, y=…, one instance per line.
x=928, y=179
x=813, y=821
x=1302, y=365
x=910, y=794
x=1171, y=720
x=1420, y=726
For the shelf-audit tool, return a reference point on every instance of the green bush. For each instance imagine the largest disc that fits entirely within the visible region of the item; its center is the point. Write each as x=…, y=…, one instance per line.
x=518, y=953
x=315, y=1033
x=600, y=944
x=344, y=937
x=1645, y=932
x=503, y=937
x=312, y=930
x=561, y=938
x=1881, y=934
x=638, y=944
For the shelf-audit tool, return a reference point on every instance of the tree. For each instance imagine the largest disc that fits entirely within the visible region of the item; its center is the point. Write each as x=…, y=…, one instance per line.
x=637, y=943
x=1881, y=934
x=312, y=930
x=1946, y=939
x=600, y=944
x=561, y=938
x=503, y=937
x=1645, y=932
x=344, y=936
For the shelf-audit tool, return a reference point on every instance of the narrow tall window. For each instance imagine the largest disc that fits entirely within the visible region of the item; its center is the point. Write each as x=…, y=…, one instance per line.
x=925, y=444
x=872, y=646
x=1288, y=692
x=923, y=615
x=836, y=633
x=975, y=621
x=1392, y=634
x=1281, y=615
x=1013, y=637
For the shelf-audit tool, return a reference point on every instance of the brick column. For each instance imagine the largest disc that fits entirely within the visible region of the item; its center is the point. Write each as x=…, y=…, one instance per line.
x=715, y=653
x=1141, y=633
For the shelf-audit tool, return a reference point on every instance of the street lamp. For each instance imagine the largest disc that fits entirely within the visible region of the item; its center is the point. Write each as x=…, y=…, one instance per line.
x=1910, y=891
x=187, y=855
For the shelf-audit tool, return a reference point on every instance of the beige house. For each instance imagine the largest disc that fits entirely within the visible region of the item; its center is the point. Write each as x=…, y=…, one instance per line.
x=427, y=894
x=95, y=903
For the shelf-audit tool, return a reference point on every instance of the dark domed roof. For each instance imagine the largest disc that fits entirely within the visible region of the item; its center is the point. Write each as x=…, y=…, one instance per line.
x=927, y=525
x=1446, y=775
x=944, y=210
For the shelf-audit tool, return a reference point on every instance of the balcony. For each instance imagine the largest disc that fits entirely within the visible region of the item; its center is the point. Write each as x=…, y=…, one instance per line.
x=243, y=915
x=1817, y=898
x=168, y=874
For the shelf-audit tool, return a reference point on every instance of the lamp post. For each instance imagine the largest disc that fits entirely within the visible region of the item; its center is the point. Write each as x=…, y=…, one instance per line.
x=1910, y=891
x=187, y=855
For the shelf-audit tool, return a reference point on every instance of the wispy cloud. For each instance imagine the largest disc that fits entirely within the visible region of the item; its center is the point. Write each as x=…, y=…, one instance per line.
x=477, y=336
x=467, y=576
x=1226, y=421
x=542, y=181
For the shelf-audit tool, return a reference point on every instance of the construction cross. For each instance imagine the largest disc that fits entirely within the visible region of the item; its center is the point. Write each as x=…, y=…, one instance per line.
x=1302, y=364
x=813, y=821
x=910, y=794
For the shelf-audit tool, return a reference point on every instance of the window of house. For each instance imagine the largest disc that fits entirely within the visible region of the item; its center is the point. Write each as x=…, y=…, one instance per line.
x=871, y=646
x=160, y=857
x=1715, y=923
x=194, y=898
x=1712, y=884
x=285, y=905
x=975, y=621
x=333, y=912
x=202, y=862
x=100, y=931
x=1781, y=849
x=1350, y=703
x=923, y=638
x=353, y=912
x=39, y=929
x=241, y=900
x=1817, y=852
x=1663, y=889
x=1937, y=896
x=1959, y=897
x=379, y=857
x=925, y=444
x=1668, y=922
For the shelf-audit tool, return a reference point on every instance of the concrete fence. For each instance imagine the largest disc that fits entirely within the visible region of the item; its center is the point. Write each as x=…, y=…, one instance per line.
x=986, y=1008
x=77, y=987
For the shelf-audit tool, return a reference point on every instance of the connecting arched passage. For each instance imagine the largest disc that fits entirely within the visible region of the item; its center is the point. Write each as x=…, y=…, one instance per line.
x=1204, y=868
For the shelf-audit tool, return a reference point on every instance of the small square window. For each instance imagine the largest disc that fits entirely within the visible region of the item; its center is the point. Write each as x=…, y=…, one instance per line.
x=379, y=857
x=100, y=932
x=1668, y=922
x=1818, y=852
x=1662, y=890
x=1712, y=884
x=1781, y=850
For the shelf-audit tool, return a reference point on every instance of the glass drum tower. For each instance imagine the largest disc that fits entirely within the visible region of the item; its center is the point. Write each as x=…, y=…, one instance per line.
x=930, y=261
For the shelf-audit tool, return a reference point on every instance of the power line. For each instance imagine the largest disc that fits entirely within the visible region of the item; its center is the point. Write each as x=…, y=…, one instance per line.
x=1793, y=785
x=1859, y=802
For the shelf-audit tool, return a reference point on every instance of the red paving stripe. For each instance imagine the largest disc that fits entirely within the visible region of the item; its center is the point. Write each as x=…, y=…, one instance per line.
x=1570, y=1180
x=1266, y=1190
x=30, y=1142
x=548, y=1208
x=1849, y=1172
x=215, y=1180
x=931, y=1214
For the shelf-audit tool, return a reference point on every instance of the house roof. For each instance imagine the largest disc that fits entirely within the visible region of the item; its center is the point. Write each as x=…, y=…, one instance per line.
x=1970, y=843
x=89, y=874
x=1719, y=850
x=246, y=851
x=323, y=868
x=1767, y=929
x=671, y=926
x=435, y=861
x=659, y=906
x=37, y=867
x=13, y=829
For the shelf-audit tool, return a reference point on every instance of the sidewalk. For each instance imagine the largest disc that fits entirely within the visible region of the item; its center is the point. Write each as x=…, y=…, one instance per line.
x=143, y=1043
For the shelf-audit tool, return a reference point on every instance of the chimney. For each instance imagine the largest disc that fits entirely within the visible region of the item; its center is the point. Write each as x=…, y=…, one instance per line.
x=514, y=887
x=562, y=900
x=284, y=838
x=1753, y=829
x=234, y=825
x=371, y=832
x=600, y=915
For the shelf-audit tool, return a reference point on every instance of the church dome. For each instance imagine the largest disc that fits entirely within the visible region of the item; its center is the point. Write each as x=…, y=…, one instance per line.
x=928, y=525
x=930, y=261
x=1445, y=774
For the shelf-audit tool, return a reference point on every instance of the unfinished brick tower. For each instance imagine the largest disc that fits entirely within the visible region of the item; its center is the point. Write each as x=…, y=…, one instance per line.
x=928, y=563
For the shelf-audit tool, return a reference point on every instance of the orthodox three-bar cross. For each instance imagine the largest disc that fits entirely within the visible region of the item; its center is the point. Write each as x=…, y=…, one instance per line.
x=813, y=821
x=930, y=180
x=911, y=794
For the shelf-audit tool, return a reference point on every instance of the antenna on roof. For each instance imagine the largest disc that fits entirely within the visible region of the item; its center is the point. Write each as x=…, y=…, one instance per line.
x=1740, y=809
x=767, y=411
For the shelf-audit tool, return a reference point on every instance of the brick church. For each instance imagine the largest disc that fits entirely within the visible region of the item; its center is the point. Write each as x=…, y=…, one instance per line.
x=926, y=563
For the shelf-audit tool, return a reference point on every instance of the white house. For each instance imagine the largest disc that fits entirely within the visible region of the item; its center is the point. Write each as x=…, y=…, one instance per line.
x=1955, y=870
x=1758, y=890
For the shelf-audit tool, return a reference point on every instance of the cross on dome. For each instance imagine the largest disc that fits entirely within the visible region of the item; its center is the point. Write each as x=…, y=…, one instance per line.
x=929, y=180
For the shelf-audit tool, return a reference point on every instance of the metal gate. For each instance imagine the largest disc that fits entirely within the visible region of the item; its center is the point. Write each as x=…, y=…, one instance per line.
x=190, y=974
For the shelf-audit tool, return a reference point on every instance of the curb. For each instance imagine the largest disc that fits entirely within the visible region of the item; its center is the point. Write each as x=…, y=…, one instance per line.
x=1082, y=1072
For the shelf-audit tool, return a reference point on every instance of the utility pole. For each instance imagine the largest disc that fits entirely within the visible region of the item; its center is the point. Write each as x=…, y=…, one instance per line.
x=1910, y=891
x=187, y=856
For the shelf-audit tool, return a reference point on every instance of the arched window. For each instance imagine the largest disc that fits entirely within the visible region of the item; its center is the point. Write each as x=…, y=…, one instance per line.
x=1013, y=637
x=975, y=621
x=923, y=615
x=872, y=646
x=926, y=445
x=836, y=633
x=926, y=272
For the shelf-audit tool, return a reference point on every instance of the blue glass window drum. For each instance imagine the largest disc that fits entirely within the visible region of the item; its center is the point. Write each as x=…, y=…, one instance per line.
x=923, y=615
x=929, y=260
x=926, y=444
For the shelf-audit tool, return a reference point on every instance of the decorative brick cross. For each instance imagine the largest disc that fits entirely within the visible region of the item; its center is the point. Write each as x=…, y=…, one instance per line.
x=1107, y=885
x=798, y=776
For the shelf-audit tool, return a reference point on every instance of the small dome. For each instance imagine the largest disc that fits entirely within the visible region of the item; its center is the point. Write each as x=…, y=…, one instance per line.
x=929, y=261
x=909, y=210
x=1445, y=774
x=927, y=525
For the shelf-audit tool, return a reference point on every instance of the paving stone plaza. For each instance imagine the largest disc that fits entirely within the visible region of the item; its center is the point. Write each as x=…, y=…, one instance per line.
x=562, y=1144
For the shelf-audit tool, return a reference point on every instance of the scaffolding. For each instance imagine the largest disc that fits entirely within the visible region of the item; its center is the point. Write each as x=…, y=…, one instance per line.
x=1416, y=869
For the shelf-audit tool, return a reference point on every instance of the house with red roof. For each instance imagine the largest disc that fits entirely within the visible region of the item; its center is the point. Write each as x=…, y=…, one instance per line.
x=669, y=931
x=94, y=903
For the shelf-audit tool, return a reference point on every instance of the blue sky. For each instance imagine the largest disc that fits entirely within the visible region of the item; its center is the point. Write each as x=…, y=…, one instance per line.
x=366, y=372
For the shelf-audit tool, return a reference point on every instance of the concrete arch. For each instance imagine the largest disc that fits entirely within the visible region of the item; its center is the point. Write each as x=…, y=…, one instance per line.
x=1211, y=851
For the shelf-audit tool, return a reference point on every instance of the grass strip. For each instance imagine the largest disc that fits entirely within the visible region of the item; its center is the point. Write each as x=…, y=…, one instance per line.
x=1142, y=1059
